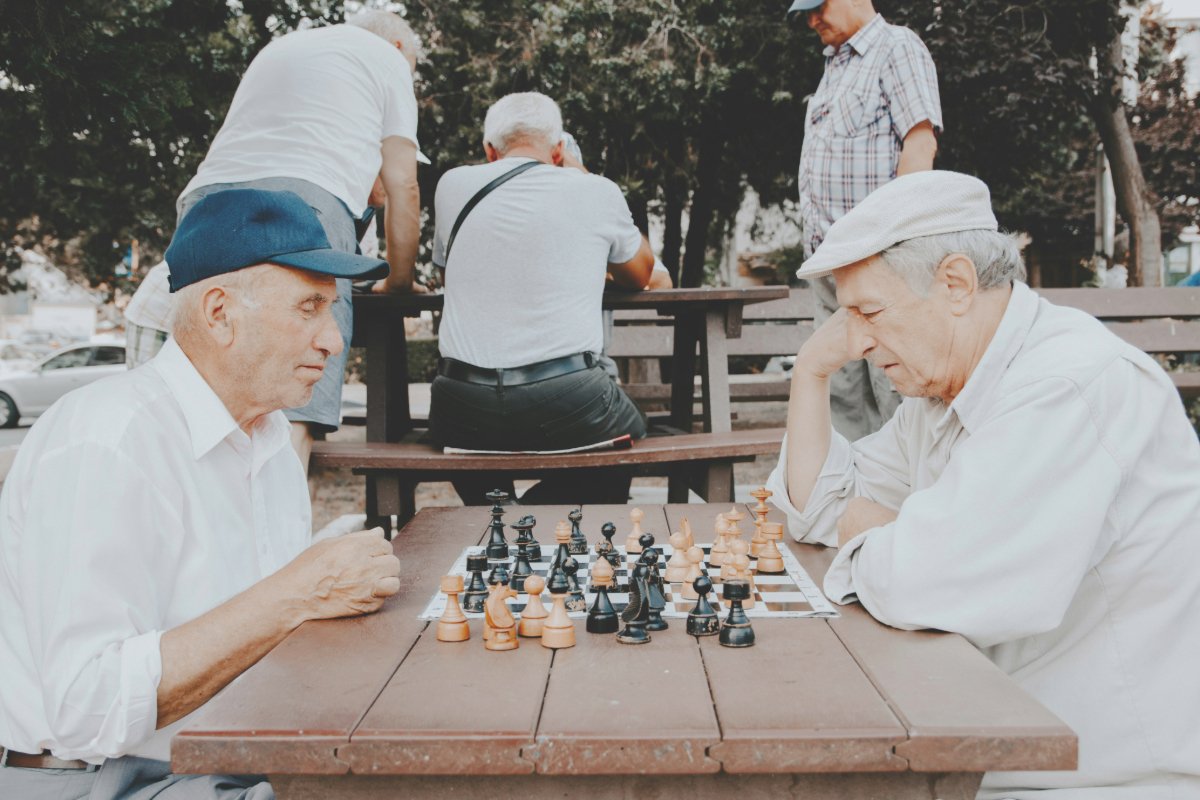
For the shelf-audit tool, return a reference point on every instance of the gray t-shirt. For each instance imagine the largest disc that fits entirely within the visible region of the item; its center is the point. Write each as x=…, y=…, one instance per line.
x=526, y=273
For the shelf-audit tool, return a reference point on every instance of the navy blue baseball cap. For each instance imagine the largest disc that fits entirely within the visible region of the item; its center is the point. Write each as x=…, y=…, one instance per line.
x=236, y=228
x=803, y=7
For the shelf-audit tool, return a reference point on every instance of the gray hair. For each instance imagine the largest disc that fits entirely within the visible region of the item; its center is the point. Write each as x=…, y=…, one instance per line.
x=187, y=313
x=390, y=27
x=524, y=116
x=996, y=255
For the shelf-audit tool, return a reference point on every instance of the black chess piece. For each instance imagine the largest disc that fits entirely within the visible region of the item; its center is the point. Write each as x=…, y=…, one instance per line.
x=497, y=547
x=637, y=610
x=476, y=592
x=736, y=632
x=702, y=620
x=608, y=530
x=578, y=545
x=499, y=574
x=524, y=529
x=602, y=617
x=575, y=599
x=658, y=600
x=521, y=567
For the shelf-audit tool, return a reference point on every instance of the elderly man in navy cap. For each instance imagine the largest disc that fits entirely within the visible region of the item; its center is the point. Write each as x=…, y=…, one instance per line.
x=155, y=527
x=875, y=115
x=1038, y=490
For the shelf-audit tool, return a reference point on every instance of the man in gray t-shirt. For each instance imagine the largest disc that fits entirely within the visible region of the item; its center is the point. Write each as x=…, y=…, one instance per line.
x=522, y=333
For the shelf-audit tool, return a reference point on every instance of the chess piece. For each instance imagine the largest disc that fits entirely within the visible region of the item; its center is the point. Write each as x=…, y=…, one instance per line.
x=741, y=563
x=575, y=600
x=686, y=527
x=535, y=613
x=562, y=538
x=602, y=618
x=558, y=630
x=499, y=620
x=728, y=571
x=658, y=601
x=452, y=627
x=605, y=548
x=770, y=560
x=499, y=574
x=695, y=555
x=716, y=553
x=497, y=547
x=736, y=631
x=760, y=516
x=631, y=541
x=522, y=569
x=637, y=611
x=477, y=591
x=578, y=545
x=524, y=529
x=702, y=620
x=677, y=565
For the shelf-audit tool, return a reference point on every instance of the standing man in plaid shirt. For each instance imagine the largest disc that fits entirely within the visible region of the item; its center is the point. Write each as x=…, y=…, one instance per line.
x=875, y=115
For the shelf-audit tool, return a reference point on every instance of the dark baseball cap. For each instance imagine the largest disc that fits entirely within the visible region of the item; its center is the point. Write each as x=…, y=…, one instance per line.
x=237, y=228
x=803, y=7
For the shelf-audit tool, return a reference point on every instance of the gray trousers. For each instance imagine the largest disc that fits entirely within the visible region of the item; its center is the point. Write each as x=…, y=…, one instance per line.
x=861, y=398
x=129, y=778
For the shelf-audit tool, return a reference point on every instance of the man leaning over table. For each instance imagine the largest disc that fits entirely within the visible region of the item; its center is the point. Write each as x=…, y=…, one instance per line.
x=154, y=528
x=1038, y=490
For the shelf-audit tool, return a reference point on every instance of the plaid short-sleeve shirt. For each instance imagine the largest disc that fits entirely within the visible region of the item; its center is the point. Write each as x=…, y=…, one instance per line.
x=877, y=86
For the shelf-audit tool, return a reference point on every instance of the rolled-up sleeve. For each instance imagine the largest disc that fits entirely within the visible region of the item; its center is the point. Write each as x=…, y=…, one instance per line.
x=91, y=575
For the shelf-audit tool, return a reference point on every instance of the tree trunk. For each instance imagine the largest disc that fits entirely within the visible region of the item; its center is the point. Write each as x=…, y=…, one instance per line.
x=1133, y=200
x=675, y=197
x=700, y=216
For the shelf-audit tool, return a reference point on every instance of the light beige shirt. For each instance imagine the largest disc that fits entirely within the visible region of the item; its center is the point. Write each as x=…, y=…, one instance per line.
x=1051, y=515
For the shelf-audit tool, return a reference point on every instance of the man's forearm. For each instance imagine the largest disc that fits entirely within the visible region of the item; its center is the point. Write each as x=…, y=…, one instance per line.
x=202, y=656
x=918, y=151
x=809, y=423
x=402, y=226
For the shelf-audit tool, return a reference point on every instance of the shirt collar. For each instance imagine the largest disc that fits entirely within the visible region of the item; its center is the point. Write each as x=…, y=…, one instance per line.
x=209, y=421
x=971, y=403
x=864, y=39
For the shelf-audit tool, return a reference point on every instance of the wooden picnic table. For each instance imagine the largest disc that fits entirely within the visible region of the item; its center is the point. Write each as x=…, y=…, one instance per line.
x=824, y=708
x=703, y=318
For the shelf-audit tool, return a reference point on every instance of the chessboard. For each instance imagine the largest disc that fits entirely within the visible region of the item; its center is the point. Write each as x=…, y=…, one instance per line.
x=790, y=594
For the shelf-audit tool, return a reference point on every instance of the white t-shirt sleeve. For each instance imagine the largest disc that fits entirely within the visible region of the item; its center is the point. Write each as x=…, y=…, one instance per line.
x=624, y=237
x=399, y=103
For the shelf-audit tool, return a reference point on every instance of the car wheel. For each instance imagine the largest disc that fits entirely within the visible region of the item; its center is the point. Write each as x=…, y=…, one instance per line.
x=8, y=412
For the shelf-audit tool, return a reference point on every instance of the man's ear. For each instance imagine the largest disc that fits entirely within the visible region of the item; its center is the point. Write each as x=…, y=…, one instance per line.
x=958, y=277
x=492, y=153
x=556, y=154
x=216, y=304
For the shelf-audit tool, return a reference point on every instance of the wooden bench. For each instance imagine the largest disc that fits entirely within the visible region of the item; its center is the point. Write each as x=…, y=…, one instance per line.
x=1156, y=320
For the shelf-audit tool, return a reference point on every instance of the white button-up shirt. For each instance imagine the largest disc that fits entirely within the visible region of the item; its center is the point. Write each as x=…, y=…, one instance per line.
x=134, y=505
x=1051, y=515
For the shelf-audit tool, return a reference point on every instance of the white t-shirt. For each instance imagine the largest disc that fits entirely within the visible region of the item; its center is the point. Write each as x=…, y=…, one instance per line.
x=1051, y=515
x=526, y=273
x=135, y=505
x=315, y=105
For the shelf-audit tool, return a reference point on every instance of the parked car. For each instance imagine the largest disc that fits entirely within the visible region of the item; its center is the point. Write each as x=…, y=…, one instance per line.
x=29, y=392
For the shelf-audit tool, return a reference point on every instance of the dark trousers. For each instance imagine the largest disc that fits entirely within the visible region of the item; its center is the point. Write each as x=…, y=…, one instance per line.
x=568, y=411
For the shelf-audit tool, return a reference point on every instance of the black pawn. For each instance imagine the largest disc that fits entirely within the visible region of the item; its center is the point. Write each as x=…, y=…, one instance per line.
x=524, y=529
x=578, y=545
x=521, y=567
x=637, y=611
x=608, y=530
x=702, y=620
x=497, y=546
x=499, y=574
x=476, y=592
x=575, y=599
x=658, y=601
x=736, y=632
x=602, y=617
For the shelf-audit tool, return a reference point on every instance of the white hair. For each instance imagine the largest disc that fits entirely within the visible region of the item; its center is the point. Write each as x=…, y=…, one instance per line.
x=187, y=313
x=996, y=255
x=522, y=117
x=390, y=27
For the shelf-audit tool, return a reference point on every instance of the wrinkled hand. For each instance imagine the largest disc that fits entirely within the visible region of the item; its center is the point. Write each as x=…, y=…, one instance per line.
x=861, y=515
x=826, y=351
x=343, y=577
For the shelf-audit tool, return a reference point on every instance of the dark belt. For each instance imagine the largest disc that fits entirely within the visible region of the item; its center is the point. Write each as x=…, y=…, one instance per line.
x=515, y=376
x=11, y=758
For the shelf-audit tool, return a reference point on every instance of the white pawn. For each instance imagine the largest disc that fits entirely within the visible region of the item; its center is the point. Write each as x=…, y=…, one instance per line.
x=695, y=555
x=716, y=554
x=677, y=565
x=632, y=545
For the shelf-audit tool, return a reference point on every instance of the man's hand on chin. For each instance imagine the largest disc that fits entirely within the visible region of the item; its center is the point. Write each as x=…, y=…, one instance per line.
x=860, y=515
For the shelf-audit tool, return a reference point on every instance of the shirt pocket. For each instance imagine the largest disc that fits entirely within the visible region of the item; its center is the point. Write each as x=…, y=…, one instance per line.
x=850, y=114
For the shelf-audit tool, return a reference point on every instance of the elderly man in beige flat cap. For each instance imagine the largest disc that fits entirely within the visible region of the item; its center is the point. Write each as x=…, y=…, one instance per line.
x=1038, y=490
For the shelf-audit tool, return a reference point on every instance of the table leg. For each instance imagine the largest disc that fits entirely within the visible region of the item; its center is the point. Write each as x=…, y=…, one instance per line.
x=688, y=328
x=388, y=416
x=714, y=374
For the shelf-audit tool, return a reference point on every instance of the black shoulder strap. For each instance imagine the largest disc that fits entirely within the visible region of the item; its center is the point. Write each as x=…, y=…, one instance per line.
x=482, y=193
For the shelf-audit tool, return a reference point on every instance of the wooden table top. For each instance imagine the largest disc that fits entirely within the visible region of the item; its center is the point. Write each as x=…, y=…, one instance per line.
x=379, y=695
